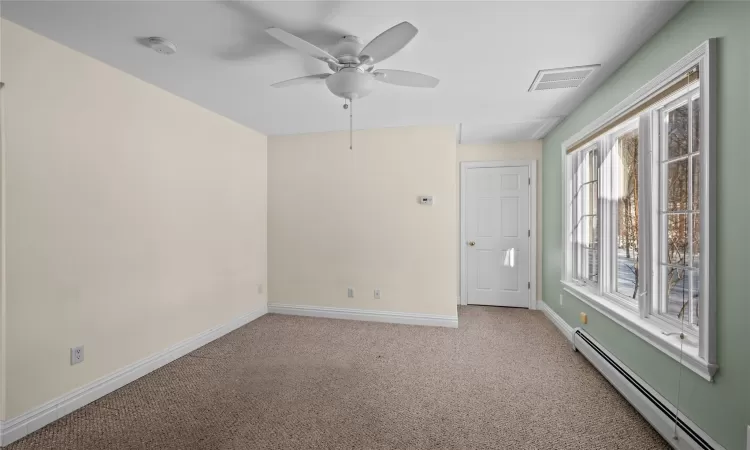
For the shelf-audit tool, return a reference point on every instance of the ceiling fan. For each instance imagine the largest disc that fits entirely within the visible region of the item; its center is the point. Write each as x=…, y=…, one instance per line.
x=353, y=63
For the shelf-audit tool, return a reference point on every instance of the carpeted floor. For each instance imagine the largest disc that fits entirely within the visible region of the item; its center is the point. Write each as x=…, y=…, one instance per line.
x=506, y=379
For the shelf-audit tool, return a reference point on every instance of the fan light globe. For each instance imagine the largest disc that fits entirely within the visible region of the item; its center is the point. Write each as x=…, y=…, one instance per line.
x=350, y=83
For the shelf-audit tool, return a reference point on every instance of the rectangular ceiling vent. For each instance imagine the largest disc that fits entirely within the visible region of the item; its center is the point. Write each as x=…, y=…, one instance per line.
x=569, y=77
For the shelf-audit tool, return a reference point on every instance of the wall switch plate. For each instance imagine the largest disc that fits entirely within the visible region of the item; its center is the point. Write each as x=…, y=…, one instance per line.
x=76, y=355
x=376, y=294
x=350, y=292
x=260, y=288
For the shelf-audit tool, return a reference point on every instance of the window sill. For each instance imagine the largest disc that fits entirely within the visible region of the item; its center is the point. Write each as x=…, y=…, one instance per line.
x=648, y=331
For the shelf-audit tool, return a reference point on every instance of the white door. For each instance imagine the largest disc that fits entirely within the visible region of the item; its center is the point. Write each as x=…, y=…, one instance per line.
x=498, y=236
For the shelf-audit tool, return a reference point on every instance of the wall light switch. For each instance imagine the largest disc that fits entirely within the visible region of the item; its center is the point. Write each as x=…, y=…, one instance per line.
x=76, y=355
x=584, y=318
x=350, y=292
x=377, y=294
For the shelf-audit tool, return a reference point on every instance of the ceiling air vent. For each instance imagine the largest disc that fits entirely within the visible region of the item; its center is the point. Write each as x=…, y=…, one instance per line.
x=569, y=77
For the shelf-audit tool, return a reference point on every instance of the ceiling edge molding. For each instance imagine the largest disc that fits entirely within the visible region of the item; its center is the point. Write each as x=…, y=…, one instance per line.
x=546, y=127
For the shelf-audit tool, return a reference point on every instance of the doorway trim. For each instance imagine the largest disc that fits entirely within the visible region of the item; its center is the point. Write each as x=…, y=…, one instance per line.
x=465, y=166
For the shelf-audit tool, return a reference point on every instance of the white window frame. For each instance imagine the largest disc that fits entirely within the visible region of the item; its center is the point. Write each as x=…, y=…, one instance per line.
x=575, y=213
x=643, y=321
x=657, y=281
x=610, y=211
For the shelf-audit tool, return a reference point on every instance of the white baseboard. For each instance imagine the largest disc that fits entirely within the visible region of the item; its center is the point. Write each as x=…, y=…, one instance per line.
x=13, y=429
x=558, y=321
x=632, y=387
x=364, y=314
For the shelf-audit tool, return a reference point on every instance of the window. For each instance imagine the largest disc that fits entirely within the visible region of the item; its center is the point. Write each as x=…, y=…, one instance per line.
x=679, y=215
x=637, y=228
x=586, y=226
x=626, y=147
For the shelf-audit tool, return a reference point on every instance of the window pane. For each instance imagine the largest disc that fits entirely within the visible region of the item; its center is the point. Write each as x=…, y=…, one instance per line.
x=677, y=132
x=592, y=198
x=696, y=183
x=588, y=250
x=696, y=125
x=627, y=214
x=592, y=232
x=677, y=239
x=694, y=300
x=677, y=185
x=592, y=268
x=677, y=285
x=627, y=273
x=587, y=224
x=592, y=160
x=696, y=240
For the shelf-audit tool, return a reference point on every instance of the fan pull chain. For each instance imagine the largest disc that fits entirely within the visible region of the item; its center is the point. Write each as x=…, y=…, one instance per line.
x=351, y=123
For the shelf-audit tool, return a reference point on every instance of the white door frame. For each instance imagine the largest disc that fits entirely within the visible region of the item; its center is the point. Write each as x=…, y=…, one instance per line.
x=531, y=164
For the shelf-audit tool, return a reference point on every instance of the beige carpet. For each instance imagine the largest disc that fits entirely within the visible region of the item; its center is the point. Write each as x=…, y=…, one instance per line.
x=506, y=379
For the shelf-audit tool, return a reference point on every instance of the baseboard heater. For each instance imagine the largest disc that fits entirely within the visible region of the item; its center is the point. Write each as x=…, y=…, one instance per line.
x=652, y=406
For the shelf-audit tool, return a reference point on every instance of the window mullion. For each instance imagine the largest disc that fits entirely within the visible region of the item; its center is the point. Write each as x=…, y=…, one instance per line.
x=644, y=218
x=654, y=218
x=689, y=206
x=599, y=206
x=605, y=196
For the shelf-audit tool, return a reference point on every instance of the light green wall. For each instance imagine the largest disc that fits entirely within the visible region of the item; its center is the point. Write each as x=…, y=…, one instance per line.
x=720, y=408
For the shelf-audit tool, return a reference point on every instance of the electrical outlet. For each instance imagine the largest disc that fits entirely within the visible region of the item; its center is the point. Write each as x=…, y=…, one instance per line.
x=584, y=318
x=76, y=355
x=561, y=301
x=425, y=200
x=377, y=294
x=260, y=289
x=350, y=292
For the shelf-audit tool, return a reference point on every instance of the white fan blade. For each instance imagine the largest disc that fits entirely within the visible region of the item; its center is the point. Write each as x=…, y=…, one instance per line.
x=300, y=44
x=302, y=80
x=389, y=42
x=406, y=78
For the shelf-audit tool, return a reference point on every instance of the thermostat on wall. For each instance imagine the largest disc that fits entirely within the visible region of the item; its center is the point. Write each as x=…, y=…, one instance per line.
x=425, y=200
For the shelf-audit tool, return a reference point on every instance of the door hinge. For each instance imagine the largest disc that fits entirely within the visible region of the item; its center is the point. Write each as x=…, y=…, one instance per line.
x=529, y=284
x=529, y=181
x=529, y=233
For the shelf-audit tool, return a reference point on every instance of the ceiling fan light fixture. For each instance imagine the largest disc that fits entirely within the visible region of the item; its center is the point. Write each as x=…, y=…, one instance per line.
x=350, y=83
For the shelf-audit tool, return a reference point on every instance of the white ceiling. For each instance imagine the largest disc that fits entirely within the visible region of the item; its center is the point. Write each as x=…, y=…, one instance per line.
x=485, y=53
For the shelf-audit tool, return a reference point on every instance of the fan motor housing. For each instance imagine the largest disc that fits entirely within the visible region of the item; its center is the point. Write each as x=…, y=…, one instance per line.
x=347, y=46
x=350, y=83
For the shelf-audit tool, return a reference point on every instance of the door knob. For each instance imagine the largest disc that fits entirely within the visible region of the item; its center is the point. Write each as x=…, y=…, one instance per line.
x=472, y=243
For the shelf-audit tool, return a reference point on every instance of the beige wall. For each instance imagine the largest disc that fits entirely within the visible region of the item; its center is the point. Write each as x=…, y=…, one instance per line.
x=135, y=219
x=510, y=151
x=340, y=218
